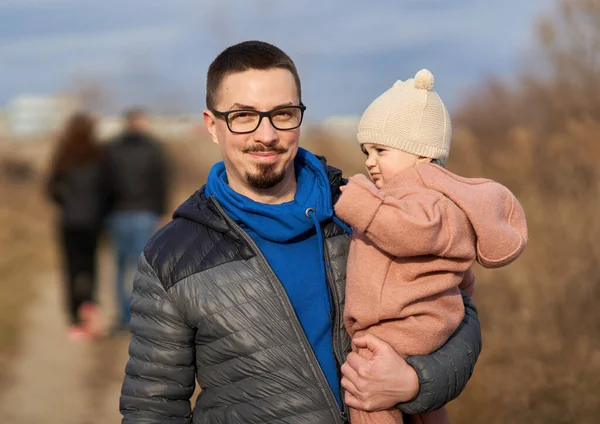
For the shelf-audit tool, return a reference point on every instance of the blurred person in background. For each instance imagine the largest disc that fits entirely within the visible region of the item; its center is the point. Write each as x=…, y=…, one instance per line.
x=134, y=175
x=243, y=291
x=74, y=185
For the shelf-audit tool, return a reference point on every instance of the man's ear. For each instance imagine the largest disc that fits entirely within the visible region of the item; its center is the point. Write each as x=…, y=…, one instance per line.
x=211, y=125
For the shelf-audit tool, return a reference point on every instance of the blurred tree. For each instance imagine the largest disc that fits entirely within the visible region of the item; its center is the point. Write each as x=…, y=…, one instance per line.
x=570, y=43
x=539, y=136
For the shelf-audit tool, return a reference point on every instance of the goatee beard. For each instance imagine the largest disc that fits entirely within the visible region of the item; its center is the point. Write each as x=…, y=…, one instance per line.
x=266, y=177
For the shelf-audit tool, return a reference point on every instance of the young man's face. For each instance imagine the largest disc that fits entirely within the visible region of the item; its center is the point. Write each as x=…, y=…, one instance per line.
x=261, y=159
x=385, y=163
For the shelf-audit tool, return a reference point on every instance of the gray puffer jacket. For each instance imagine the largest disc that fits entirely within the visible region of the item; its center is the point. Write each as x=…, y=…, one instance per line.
x=207, y=306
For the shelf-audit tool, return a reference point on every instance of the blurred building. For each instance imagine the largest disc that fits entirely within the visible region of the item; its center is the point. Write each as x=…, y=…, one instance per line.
x=343, y=127
x=33, y=115
x=172, y=127
x=109, y=126
x=166, y=127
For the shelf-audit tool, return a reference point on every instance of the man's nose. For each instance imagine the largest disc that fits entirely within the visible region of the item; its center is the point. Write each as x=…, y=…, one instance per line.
x=265, y=133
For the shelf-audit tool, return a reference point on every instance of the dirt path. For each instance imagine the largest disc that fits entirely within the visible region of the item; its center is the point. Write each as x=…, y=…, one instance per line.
x=57, y=381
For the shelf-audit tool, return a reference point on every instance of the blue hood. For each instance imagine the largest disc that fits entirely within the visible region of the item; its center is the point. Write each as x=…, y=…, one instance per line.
x=286, y=221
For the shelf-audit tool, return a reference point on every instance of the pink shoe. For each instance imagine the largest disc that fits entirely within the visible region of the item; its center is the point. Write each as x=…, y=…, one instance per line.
x=78, y=333
x=89, y=316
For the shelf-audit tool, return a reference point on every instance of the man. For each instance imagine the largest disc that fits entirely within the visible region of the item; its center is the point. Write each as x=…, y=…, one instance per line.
x=135, y=183
x=244, y=289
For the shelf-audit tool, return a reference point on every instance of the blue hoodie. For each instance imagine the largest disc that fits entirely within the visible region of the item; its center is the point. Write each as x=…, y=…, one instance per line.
x=288, y=239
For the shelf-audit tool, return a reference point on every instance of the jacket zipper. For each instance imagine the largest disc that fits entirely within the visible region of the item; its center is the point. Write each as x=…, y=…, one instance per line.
x=290, y=309
x=336, y=329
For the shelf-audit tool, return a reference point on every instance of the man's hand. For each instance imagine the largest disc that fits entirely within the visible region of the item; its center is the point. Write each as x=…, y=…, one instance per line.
x=380, y=382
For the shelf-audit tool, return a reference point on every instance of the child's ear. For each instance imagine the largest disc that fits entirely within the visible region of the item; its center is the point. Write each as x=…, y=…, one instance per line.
x=423, y=159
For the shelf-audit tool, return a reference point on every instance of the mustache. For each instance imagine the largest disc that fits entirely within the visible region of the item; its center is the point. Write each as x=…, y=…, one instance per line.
x=264, y=149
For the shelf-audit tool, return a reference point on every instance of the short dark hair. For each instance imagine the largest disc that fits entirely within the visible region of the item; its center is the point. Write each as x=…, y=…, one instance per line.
x=245, y=56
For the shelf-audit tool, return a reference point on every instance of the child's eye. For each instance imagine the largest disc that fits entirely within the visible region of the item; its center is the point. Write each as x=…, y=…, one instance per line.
x=380, y=150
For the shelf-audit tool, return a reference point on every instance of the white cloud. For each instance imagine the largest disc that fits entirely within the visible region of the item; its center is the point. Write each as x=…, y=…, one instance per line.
x=28, y=4
x=373, y=28
x=98, y=41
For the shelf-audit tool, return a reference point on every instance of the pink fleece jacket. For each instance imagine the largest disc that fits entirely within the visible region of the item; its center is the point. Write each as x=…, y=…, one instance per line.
x=413, y=246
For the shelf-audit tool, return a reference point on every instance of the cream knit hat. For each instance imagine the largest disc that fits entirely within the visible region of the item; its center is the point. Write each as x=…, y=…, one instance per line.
x=409, y=117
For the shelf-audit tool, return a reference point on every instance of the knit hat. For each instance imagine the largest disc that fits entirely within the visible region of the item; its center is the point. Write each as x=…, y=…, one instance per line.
x=409, y=117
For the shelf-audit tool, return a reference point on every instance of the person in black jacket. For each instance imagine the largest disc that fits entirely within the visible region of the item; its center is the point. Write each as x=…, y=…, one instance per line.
x=243, y=291
x=135, y=188
x=74, y=185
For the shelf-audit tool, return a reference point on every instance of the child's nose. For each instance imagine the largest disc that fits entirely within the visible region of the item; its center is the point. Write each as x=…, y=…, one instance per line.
x=370, y=162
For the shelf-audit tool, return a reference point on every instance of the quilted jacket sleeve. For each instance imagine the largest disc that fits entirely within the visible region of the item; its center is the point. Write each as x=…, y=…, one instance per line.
x=444, y=373
x=160, y=375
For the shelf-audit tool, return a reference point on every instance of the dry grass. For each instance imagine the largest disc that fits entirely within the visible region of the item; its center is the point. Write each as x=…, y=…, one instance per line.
x=541, y=361
x=25, y=237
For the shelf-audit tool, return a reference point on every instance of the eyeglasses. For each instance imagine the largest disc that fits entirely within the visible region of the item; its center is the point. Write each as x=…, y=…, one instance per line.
x=245, y=121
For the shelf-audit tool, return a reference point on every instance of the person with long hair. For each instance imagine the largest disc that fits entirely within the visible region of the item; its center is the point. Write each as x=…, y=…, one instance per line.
x=74, y=186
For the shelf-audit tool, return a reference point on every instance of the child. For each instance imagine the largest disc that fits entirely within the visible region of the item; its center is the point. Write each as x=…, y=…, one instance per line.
x=417, y=230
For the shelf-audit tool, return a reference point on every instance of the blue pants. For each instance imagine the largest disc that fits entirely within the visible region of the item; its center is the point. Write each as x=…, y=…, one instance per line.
x=130, y=231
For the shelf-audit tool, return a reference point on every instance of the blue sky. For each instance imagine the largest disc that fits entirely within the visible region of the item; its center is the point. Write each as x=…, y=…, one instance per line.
x=156, y=51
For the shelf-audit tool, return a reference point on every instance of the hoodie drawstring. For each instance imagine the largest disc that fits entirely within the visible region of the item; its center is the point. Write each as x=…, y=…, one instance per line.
x=341, y=224
x=312, y=214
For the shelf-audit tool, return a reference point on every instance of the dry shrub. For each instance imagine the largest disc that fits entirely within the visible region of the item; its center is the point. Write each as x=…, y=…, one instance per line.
x=541, y=358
